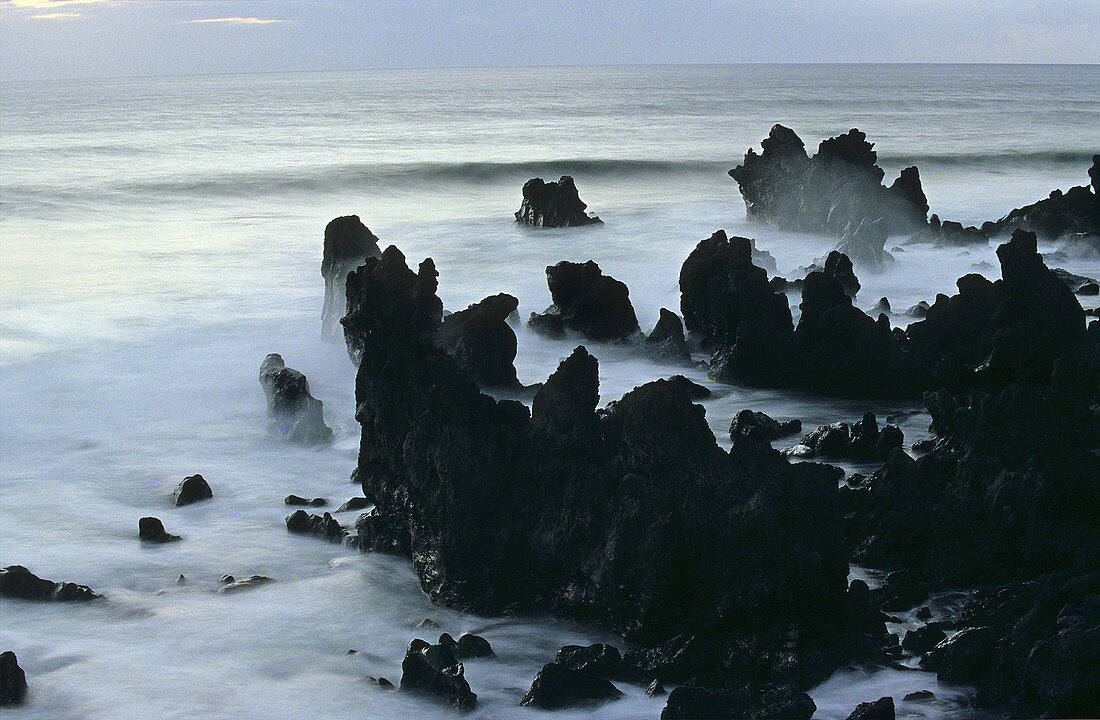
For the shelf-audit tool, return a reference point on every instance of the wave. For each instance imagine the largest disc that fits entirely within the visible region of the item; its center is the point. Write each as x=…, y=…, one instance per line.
x=1004, y=159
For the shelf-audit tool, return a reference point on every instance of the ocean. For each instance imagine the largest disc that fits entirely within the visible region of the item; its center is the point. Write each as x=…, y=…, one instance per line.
x=160, y=236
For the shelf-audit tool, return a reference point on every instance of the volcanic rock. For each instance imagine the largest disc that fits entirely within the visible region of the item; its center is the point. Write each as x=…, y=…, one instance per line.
x=588, y=302
x=553, y=204
x=17, y=581
x=191, y=489
x=300, y=522
x=13, y=681
x=434, y=668
x=297, y=415
x=558, y=686
x=481, y=341
x=348, y=243
x=151, y=529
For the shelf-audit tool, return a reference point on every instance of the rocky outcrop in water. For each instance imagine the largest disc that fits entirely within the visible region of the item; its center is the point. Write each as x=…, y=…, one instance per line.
x=1074, y=214
x=298, y=416
x=666, y=342
x=860, y=441
x=151, y=529
x=481, y=341
x=557, y=686
x=348, y=243
x=881, y=709
x=632, y=518
x=840, y=187
x=13, y=681
x=553, y=204
x=18, y=582
x=595, y=305
x=191, y=489
x=737, y=701
x=865, y=245
x=324, y=526
x=730, y=306
x=434, y=669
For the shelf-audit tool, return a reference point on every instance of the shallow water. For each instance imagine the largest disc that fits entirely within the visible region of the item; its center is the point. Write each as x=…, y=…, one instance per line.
x=160, y=237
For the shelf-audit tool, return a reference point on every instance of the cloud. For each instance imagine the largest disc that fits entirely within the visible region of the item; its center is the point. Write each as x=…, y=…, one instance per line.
x=236, y=21
x=46, y=4
x=55, y=16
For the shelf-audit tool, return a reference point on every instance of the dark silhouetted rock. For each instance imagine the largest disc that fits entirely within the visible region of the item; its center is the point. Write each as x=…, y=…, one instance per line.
x=839, y=187
x=191, y=489
x=588, y=302
x=434, y=668
x=627, y=518
x=949, y=234
x=882, y=306
x=962, y=658
x=234, y=586
x=355, y=503
x=693, y=390
x=923, y=639
x=469, y=645
x=693, y=702
x=757, y=429
x=667, y=341
x=920, y=696
x=298, y=415
x=839, y=267
x=656, y=688
x=18, y=582
x=919, y=311
x=1075, y=282
x=861, y=440
x=881, y=709
x=348, y=243
x=295, y=500
x=1065, y=671
x=1071, y=214
x=481, y=341
x=557, y=686
x=151, y=529
x=300, y=522
x=599, y=659
x=13, y=681
x=553, y=204
x=548, y=323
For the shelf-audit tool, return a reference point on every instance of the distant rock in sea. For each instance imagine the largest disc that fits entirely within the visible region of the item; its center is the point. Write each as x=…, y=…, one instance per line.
x=297, y=415
x=553, y=204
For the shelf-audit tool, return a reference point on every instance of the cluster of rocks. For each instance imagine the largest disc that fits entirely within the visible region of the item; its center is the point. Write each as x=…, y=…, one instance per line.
x=733, y=309
x=324, y=526
x=862, y=441
x=297, y=415
x=553, y=204
x=20, y=583
x=632, y=517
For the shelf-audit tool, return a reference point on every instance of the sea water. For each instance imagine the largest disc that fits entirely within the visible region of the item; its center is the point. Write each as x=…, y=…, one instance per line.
x=158, y=237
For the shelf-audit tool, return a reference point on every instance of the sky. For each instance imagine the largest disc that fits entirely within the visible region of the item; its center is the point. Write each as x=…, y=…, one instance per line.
x=54, y=39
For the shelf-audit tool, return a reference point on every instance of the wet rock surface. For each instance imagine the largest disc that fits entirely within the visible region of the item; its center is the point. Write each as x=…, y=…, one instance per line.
x=190, y=490
x=881, y=709
x=626, y=518
x=298, y=416
x=558, y=686
x=348, y=243
x=151, y=529
x=235, y=586
x=586, y=301
x=553, y=204
x=434, y=669
x=324, y=526
x=17, y=581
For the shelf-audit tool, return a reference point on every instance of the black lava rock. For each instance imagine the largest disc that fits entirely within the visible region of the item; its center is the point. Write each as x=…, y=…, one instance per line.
x=191, y=489
x=151, y=529
x=13, y=681
x=600, y=659
x=923, y=639
x=472, y=646
x=17, y=581
x=557, y=686
x=297, y=415
x=348, y=243
x=588, y=302
x=300, y=522
x=435, y=669
x=737, y=701
x=295, y=500
x=881, y=709
x=355, y=503
x=667, y=342
x=481, y=341
x=553, y=204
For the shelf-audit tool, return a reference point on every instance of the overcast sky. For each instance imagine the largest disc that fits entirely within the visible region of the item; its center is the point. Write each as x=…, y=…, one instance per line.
x=119, y=38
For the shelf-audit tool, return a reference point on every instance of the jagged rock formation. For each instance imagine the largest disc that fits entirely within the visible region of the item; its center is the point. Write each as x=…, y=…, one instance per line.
x=632, y=518
x=151, y=529
x=481, y=341
x=17, y=581
x=324, y=526
x=348, y=242
x=731, y=307
x=13, y=681
x=1074, y=213
x=434, y=668
x=587, y=302
x=557, y=686
x=1008, y=497
x=839, y=187
x=666, y=342
x=297, y=415
x=553, y=204
x=864, y=245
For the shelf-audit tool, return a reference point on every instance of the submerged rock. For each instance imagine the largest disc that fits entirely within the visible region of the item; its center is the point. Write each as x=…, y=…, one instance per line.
x=295, y=500
x=435, y=669
x=13, y=681
x=151, y=529
x=557, y=686
x=588, y=302
x=553, y=204
x=348, y=243
x=190, y=490
x=17, y=581
x=298, y=415
x=234, y=586
x=355, y=503
x=839, y=187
